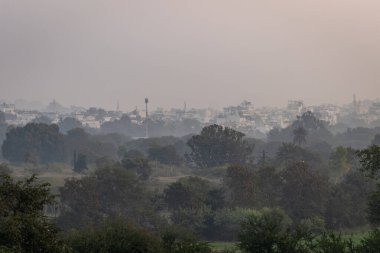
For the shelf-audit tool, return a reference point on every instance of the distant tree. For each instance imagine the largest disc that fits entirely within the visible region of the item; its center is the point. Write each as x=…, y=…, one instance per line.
x=35, y=143
x=92, y=146
x=114, y=236
x=80, y=162
x=42, y=120
x=271, y=231
x=374, y=207
x=278, y=135
x=23, y=225
x=2, y=118
x=104, y=162
x=3, y=129
x=189, y=192
x=240, y=182
x=217, y=145
x=190, y=201
x=138, y=163
x=370, y=165
x=4, y=169
x=68, y=124
x=358, y=138
x=347, y=207
x=300, y=134
x=304, y=191
x=370, y=161
x=108, y=192
x=308, y=120
x=268, y=187
x=314, y=131
x=176, y=240
x=376, y=140
x=338, y=164
x=123, y=126
x=165, y=155
x=290, y=153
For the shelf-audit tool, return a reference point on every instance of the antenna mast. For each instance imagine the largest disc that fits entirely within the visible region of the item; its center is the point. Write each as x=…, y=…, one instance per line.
x=146, y=118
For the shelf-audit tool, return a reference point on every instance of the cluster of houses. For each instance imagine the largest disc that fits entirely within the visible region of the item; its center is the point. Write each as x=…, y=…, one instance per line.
x=245, y=116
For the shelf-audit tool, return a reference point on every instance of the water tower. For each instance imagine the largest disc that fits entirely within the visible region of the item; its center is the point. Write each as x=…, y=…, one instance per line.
x=146, y=118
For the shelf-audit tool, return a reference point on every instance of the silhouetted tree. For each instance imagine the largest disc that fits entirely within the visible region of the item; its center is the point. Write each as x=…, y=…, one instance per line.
x=80, y=162
x=42, y=120
x=108, y=192
x=138, y=163
x=299, y=135
x=376, y=140
x=217, y=145
x=304, y=191
x=34, y=142
x=68, y=124
x=165, y=155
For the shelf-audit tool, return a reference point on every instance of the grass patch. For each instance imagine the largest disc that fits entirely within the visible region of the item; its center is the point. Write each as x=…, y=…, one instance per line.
x=220, y=246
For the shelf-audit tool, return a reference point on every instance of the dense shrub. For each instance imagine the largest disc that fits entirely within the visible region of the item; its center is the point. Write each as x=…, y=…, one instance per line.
x=113, y=236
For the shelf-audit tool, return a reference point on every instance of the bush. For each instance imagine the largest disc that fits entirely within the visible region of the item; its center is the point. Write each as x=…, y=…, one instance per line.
x=371, y=243
x=226, y=222
x=114, y=236
x=333, y=243
x=177, y=241
x=271, y=231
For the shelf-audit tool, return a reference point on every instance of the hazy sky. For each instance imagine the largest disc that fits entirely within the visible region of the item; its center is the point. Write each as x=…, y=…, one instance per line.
x=204, y=52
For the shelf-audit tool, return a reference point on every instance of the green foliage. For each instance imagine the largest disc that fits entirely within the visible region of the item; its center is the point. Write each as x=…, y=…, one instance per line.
x=370, y=164
x=34, y=143
x=189, y=193
x=92, y=146
x=271, y=231
x=304, y=191
x=334, y=243
x=42, y=119
x=191, y=201
x=241, y=184
x=371, y=243
x=347, y=202
x=300, y=134
x=80, y=162
x=136, y=162
x=68, y=124
x=289, y=153
x=268, y=187
x=374, y=207
x=165, y=155
x=114, y=236
x=23, y=225
x=338, y=164
x=4, y=169
x=307, y=128
x=226, y=222
x=108, y=192
x=370, y=161
x=217, y=145
x=179, y=241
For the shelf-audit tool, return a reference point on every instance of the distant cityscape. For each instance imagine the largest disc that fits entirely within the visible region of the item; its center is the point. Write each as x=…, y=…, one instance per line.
x=245, y=117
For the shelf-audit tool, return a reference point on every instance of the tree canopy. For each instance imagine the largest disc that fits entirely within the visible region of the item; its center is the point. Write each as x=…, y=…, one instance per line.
x=217, y=145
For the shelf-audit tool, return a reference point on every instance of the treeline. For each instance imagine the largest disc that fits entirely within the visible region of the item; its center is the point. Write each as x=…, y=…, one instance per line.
x=269, y=196
x=123, y=216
